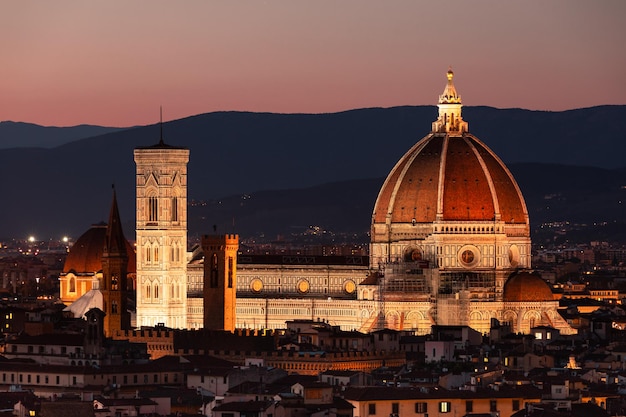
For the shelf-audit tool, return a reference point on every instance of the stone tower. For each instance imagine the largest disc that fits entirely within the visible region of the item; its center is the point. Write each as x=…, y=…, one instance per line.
x=114, y=286
x=220, y=281
x=161, y=227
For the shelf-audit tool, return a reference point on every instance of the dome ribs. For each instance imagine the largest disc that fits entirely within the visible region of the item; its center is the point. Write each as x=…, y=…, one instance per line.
x=417, y=188
x=510, y=201
x=467, y=196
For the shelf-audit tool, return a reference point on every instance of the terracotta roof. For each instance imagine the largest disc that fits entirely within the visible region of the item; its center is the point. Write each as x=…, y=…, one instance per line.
x=457, y=175
x=85, y=255
x=525, y=286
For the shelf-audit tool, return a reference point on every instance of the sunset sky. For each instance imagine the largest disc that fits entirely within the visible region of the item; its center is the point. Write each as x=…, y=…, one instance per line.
x=115, y=63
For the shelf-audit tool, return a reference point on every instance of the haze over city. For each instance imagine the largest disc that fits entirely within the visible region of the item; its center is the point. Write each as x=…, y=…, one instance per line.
x=114, y=63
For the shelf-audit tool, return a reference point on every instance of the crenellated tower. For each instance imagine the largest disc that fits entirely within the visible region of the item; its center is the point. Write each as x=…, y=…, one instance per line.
x=220, y=281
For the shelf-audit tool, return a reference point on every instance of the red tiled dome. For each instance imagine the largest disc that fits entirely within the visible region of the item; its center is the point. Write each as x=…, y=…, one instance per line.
x=525, y=286
x=457, y=176
x=85, y=255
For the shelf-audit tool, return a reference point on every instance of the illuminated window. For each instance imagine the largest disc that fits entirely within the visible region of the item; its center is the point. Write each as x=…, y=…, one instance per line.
x=445, y=406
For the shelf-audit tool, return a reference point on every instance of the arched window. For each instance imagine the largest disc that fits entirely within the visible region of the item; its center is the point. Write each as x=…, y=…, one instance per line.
x=156, y=254
x=148, y=292
x=114, y=307
x=72, y=284
x=175, y=209
x=153, y=209
x=148, y=254
x=156, y=291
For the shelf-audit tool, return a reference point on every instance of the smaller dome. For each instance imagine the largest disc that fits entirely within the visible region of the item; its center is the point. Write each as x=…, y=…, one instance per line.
x=85, y=256
x=524, y=286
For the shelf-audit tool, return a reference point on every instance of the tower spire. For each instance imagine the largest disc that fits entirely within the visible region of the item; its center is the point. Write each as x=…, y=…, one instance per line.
x=115, y=243
x=450, y=120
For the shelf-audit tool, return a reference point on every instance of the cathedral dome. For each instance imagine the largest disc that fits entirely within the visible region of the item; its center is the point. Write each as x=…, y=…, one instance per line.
x=85, y=255
x=525, y=286
x=450, y=175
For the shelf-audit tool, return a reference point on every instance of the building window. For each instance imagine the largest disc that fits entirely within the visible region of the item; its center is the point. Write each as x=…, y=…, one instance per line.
x=72, y=284
x=515, y=405
x=214, y=271
x=371, y=409
x=175, y=209
x=421, y=407
x=153, y=209
x=114, y=307
x=395, y=408
x=469, y=406
x=156, y=291
x=230, y=272
x=493, y=405
x=445, y=406
x=58, y=379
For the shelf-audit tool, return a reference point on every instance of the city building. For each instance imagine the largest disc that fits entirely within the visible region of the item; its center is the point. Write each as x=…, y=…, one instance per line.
x=450, y=245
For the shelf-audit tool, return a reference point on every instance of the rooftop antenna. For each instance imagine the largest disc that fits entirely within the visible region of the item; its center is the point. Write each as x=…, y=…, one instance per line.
x=161, y=124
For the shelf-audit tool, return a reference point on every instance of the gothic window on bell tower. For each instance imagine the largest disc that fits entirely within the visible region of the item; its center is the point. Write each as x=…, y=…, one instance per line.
x=114, y=283
x=114, y=307
x=153, y=209
x=175, y=209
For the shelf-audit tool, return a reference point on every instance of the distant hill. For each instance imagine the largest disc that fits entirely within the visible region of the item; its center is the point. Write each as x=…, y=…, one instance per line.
x=28, y=135
x=63, y=190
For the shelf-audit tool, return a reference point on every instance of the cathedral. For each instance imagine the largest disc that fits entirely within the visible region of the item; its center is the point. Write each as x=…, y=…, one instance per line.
x=450, y=245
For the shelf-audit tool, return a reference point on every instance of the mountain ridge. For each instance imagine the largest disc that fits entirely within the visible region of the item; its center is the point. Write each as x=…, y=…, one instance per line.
x=62, y=190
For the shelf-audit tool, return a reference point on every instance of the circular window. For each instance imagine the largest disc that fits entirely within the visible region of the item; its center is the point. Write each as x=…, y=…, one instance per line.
x=349, y=286
x=303, y=286
x=469, y=256
x=256, y=285
x=413, y=254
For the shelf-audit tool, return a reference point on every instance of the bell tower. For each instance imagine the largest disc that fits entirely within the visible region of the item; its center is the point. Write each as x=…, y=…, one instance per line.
x=220, y=281
x=161, y=228
x=114, y=274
